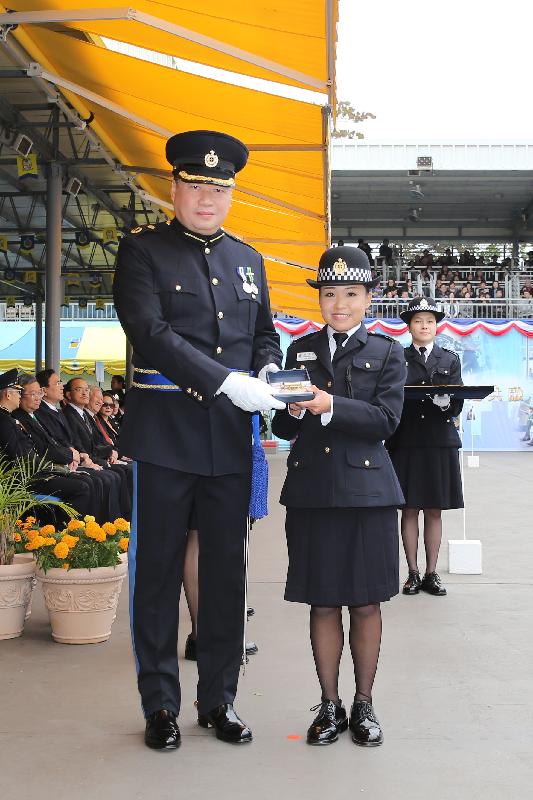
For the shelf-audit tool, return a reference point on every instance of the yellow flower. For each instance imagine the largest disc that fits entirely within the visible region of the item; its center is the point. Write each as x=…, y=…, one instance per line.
x=99, y=536
x=121, y=524
x=50, y=540
x=65, y=565
x=61, y=550
x=35, y=543
x=17, y=537
x=89, y=518
x=69, y=540
x=93, y=530
x=109, y=528
x=46, y=530
x=123, y=543
x=31, y=520
x=19, y=523
x=75, y=525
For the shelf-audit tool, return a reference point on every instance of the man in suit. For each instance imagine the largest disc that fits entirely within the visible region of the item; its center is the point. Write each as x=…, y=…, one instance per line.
x=16, y=443
x=193, y=301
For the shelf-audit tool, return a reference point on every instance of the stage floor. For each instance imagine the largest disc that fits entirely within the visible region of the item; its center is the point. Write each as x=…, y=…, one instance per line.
x=453, y=690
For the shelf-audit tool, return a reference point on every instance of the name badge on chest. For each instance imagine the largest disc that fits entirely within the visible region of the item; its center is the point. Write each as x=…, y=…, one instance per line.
x=306, y=356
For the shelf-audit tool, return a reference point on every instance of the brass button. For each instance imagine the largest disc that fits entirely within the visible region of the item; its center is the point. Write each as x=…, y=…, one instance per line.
x=367, y=365
x=445, y=371
x=195, y=394
x=330, y=384
x=189, y=390
x=214, y=281
x=295, y=463
x=178, y=287
x=423, y=382
x=367, y=462
x=422, y=416
x=220, y=315
x=207, y=251
x=327, y=450
x=447, y=420
x=219, y=350
x=200, y=398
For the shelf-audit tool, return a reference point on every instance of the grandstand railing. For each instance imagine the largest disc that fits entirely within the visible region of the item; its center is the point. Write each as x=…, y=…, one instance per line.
x=390, y=308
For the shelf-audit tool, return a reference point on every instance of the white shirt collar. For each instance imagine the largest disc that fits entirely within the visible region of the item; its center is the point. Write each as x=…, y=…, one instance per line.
x=429, y=348
x=333, y=343
x=79, y=410
x=50, y=405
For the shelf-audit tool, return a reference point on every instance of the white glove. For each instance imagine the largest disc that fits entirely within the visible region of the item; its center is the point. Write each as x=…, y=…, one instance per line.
x=250, y=394
x=442, y=400
x=269, y=368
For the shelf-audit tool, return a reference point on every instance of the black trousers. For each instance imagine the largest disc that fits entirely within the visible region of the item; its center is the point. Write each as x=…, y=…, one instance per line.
x=163, y=499
x=110, y=489
x=72, y=489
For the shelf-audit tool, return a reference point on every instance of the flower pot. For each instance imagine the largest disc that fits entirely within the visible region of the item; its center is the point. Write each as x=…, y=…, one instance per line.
x=16, y=583
x=26, y=558
x=82, y=603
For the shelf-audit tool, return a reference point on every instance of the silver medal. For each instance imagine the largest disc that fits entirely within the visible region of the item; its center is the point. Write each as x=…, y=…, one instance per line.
x=247, y=288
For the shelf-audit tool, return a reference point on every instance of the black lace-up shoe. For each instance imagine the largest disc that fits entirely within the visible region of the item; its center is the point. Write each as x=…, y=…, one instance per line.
x=227, y=725
x=431, y=584
x=162, y=732
x=412, y=584
x=328, y=723
x=364, y=724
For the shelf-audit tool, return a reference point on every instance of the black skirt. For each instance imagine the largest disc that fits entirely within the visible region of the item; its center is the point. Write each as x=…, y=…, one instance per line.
x=430, y=477
x=342, y=556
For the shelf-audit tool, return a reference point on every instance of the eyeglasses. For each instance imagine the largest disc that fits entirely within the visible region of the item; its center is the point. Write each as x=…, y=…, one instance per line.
x=107, y=405
x=33, y=395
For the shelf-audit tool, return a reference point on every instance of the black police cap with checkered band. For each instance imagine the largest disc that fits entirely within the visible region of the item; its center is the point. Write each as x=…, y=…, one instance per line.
x=341, y=266
x=421, y=304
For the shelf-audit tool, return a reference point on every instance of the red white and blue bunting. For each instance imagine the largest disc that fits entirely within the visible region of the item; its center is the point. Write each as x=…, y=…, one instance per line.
x=462, y=327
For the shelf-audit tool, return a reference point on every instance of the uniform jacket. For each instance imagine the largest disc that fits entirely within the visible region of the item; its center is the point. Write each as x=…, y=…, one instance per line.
x=14, y=441
x=344, y=464
x=423, y=424
x=181, y=302
x=45, y=444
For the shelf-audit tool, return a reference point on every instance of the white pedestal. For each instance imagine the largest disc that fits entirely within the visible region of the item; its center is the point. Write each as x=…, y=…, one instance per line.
x=473, y=461
x=464, y=556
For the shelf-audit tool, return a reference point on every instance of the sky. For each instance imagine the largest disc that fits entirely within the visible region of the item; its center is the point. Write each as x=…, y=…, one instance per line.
x=438, y=70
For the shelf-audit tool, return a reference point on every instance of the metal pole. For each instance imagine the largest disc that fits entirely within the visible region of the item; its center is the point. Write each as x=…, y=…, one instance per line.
x=129, y=364
x=38, y=333
x=53, y=266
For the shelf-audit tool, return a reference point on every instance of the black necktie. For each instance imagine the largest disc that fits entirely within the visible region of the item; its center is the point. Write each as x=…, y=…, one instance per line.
x=423, y=352
x=87, y=420
x=339, y=339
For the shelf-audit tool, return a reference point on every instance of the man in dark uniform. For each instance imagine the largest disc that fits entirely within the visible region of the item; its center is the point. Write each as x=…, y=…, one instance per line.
x=194, y=303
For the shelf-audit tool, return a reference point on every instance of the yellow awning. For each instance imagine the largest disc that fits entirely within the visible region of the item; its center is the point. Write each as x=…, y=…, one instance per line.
x=102, y=344
x=281, y=204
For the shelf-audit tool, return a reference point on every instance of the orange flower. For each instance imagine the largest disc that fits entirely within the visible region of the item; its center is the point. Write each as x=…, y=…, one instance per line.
x=46, y=530
x=17, y=537
x=50, y=540
x=123, y=543
x=31, y=535
x=35, y=543
x=31, y=520
x=109, y=528
x=99, y=536
x=75, y=525
x=69, y=540
x=65, y=565
x=19, y=523
x=121, y=524
x=61, y=550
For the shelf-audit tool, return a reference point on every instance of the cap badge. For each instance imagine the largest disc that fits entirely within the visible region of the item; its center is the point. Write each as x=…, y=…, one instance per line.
x=424, y=303
x=211, y=159
x=340, y=267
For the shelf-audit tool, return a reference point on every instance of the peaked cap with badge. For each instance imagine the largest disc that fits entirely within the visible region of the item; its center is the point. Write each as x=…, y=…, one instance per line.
x=344, y=265
x=8, y=380
x=206, y=157
x=421, y=304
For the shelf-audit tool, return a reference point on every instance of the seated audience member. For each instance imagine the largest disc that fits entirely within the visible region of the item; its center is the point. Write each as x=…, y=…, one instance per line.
x=106, y=416
x=16, y=442
x=81, y=424
x=527, y=287
x=105, y=484
x=118, y=385
x=495, y=286
x=102, y=439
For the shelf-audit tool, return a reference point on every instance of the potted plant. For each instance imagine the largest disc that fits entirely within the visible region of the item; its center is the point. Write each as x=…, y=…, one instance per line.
x=81, y=574
x=17, y=567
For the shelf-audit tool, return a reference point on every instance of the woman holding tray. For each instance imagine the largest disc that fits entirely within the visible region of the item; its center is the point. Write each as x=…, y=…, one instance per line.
x=341, y=491
x=425, y=447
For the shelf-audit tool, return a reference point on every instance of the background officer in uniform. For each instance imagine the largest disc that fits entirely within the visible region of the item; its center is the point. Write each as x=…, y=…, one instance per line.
x=425, y=447
x=194, y=303
x=341, y=491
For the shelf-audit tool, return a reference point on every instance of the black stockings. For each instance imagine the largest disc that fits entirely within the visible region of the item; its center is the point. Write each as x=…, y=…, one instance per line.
x=432, y=536
x=327, y=640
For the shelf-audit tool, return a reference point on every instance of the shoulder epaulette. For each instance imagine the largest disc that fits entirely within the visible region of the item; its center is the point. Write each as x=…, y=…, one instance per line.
x=303, y=338
x=447, y=349
x=382, y=336
x=238, y=239
x=140, y=229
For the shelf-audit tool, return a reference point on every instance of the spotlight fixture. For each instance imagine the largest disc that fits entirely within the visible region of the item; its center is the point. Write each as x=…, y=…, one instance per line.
x=22, y=144
x=74, y=187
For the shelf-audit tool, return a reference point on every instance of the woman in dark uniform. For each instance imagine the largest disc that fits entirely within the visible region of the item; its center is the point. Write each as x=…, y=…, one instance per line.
x=341, y=491
x=425, y=447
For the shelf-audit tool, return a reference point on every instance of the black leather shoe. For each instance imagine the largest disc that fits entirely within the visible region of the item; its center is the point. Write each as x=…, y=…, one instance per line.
x=328, y=723
x=432, y=585
x=364, y=725
x=412, y=584
x=162, y=732
x=250, y=612
x=251, y=648
x=227, y=725
x=190, y=648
